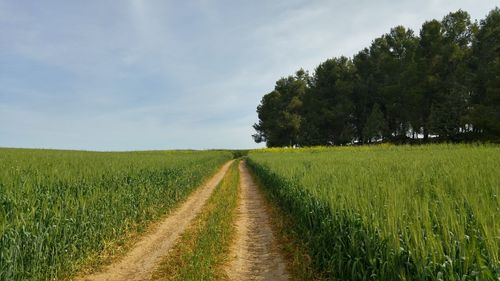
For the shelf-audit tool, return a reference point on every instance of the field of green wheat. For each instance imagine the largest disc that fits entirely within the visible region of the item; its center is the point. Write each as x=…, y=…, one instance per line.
x=391, y=212
x=58, y=209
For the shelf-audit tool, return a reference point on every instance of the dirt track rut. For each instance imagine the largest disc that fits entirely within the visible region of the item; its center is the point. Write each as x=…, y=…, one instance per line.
x=141, y=260
x=254, y=253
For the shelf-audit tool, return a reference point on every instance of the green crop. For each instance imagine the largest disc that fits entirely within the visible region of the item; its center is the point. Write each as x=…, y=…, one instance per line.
x=391, y=212
x=57, y=208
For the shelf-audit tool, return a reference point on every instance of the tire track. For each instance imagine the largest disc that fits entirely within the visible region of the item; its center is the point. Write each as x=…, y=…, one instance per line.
x=254, y=253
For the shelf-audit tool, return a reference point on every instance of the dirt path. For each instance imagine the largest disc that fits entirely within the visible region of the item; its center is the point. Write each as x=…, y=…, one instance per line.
x=141, y=260
x=254, y=253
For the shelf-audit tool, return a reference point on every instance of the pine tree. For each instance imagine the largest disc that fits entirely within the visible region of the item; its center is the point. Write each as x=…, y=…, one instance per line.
x=375, y=125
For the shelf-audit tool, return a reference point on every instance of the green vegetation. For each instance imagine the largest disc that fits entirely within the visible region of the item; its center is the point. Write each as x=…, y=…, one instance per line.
x=203, y=247
x=442, y=85
x=240, y=153
x=60, y=208
x=391, y=212
x=291, y=243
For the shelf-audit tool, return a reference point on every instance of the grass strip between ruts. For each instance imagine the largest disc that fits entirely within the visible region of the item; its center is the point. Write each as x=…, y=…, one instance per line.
x=202, y=249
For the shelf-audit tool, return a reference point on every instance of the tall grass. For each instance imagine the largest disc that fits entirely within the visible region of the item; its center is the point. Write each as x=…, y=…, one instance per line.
x=392, y=212
x=59, y=207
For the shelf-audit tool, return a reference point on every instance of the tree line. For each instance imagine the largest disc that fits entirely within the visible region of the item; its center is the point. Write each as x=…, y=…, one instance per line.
x=442, y=85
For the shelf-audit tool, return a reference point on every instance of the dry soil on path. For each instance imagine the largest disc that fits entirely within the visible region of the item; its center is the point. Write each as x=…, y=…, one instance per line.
x=254, y=254
x=142, y=259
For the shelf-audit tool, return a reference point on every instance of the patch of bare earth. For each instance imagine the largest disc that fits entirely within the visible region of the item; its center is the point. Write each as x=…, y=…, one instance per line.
x=254, y=254
x=143, y=258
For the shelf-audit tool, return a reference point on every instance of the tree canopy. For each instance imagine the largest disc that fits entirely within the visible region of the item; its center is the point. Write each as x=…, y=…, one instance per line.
x=440, y=85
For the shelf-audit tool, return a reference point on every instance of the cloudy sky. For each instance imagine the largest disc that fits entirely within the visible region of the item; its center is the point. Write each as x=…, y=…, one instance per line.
x=158, y=74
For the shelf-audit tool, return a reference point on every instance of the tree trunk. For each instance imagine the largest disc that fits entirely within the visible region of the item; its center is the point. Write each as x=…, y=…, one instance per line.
x=426, y=134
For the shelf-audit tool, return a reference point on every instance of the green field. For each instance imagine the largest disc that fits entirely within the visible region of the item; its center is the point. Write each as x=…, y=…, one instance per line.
x=382, y=212
x=60, y=209
x=391, y=212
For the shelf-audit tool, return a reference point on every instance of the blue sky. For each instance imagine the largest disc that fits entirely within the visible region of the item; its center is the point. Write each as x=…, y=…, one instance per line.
x=159, y=74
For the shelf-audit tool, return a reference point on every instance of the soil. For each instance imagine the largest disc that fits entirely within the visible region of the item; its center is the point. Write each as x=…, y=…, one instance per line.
x=254, y=254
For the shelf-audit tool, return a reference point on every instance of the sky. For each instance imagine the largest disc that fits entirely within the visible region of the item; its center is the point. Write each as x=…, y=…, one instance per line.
x=113, y=75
